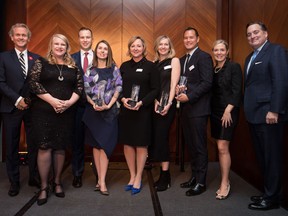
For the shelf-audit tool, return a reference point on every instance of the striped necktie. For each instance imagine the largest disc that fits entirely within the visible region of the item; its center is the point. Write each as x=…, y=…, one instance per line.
x=22, y=62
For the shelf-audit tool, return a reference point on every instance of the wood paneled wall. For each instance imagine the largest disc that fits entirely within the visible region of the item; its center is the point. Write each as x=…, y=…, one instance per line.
x=117, y=20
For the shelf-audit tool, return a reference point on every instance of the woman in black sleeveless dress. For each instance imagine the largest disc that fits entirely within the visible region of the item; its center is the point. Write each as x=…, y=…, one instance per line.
x=164, y=107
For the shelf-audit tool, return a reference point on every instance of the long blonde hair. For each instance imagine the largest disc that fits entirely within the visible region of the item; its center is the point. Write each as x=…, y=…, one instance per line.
x=68, y=60
x=171, y=52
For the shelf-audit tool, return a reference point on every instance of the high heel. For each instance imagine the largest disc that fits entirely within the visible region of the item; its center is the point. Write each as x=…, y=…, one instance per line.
x=43, y=200
x=58, y=194
x=128, y=187
x=224, y=196
x=97, y=187
x=136, y=190
x=105, y=193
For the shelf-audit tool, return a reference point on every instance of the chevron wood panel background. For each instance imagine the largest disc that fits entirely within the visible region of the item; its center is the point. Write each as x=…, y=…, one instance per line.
x=117, y=20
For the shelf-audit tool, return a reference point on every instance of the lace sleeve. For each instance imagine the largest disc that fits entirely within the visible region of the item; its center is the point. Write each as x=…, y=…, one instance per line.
x=34, y=78
x=80, y=83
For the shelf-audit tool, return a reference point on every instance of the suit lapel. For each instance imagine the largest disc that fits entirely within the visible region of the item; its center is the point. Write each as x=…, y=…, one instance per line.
x=257, y=59
x=16, y=62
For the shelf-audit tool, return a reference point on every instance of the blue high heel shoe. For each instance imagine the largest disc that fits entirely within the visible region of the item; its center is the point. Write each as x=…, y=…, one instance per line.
x=128, y=187
x=136, y=190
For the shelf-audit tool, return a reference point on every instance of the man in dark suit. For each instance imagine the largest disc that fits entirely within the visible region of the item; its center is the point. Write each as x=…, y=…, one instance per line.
x=14, y=105
x=265, y=107
x=83, y=59
x=197, y=66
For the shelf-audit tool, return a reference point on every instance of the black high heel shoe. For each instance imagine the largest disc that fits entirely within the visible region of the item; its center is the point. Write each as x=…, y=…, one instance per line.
x=43, y=200
x=58, y=194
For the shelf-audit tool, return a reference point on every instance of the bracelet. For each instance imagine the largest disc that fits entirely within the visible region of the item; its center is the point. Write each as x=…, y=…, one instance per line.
x=170, y=102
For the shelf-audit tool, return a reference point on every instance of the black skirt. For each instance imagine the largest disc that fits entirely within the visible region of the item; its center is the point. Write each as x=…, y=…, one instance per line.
x=220, y=132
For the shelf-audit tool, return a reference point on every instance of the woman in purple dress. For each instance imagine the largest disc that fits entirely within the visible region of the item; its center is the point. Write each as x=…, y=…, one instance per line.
x=102, y=83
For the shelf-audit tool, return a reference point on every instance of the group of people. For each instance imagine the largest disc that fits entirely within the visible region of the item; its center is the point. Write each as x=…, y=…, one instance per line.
x=86, y=98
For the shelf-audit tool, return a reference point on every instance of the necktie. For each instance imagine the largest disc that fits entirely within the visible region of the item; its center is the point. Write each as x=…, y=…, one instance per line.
x=252, y=59
x=85, y=62
x=186, y=63
x=22, y=62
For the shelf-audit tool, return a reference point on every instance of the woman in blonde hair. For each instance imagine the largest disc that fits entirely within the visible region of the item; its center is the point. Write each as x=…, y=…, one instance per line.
x=57, y=84
x=135, y=122
x=226, y=97
x=164, y=107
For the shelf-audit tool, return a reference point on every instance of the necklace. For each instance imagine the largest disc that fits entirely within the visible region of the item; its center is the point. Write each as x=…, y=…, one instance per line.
x=216, y=70
x=60, y=77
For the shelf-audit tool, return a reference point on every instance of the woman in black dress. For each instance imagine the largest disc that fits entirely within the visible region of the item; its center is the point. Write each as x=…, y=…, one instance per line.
x=102, y=83
x=57, y=84
x=135, y=118
x=164, y=107
x=226, y=97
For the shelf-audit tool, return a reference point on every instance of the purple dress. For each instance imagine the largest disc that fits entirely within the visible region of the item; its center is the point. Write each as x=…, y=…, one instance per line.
x=102, y=127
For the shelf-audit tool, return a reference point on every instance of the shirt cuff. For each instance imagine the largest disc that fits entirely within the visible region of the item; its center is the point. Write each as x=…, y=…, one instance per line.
x=18, y=100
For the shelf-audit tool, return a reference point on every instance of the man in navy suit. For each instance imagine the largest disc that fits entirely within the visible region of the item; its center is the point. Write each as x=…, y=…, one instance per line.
x=197, y=66
x=265, y=107
x=14, y=105
x=85, y=40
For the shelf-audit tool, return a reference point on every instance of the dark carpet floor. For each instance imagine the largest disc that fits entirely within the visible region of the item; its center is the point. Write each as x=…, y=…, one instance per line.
x=173, y=202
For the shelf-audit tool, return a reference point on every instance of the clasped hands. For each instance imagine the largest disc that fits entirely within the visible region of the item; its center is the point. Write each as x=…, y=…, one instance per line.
x=128, y=106
x=100, y=108
x=61, y=105
x=180, y=94
x=165, y=109
x=22, y=105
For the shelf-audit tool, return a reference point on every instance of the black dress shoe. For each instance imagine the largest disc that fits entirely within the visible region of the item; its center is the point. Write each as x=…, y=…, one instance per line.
x=189, y=184
x=58, y=194
x=263, y=205
x=256, y=199
x=196, y=190
x=14, y=189
x=77, y=181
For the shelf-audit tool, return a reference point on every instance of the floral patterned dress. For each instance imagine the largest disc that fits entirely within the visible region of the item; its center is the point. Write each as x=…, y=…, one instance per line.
x=102, y=126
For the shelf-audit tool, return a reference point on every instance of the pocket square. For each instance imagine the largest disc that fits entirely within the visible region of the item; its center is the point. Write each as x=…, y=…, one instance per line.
x=256, y=63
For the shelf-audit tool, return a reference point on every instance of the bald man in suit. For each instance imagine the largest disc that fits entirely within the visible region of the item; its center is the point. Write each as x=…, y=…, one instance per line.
x=14, y=106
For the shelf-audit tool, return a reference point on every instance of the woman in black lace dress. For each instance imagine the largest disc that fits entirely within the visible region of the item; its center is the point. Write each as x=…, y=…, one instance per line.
x=57, y=84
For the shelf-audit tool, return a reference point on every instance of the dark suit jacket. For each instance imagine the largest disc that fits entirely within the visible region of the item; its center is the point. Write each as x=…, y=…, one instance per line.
x=228, y=88
x=266, y=85
x=77, y=58
x=12, y=80
x=199, y=83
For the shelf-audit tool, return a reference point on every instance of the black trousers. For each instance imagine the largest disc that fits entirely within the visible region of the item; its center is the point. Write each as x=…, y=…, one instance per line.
x=268, y=143
x=12, y=128
x=195, y=136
